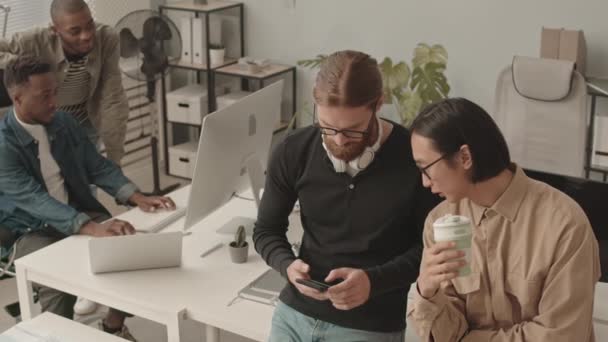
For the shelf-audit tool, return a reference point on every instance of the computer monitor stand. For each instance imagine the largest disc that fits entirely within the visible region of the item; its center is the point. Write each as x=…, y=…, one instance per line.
x=255, y=174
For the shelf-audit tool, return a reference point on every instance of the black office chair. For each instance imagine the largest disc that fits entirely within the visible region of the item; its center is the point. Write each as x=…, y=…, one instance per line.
x=5, y=100
x=7, y=269
x=7, y=238
x=591, y=196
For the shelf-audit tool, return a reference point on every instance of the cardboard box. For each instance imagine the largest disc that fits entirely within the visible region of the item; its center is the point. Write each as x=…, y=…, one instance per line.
x=549, y=43
x=572, y=47
x=564, y=44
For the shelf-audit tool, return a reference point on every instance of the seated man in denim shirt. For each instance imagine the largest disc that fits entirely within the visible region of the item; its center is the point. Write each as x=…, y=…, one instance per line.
x=46, y=165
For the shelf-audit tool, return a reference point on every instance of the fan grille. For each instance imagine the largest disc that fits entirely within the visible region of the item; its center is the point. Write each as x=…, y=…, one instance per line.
x=152, y=45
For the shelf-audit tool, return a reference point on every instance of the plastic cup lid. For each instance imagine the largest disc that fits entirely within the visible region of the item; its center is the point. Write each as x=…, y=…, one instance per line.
x=450, y=220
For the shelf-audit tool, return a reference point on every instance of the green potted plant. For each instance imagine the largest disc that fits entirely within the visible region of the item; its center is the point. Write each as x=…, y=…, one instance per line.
x=239, y=248
x=407, y=88
x=216, y=54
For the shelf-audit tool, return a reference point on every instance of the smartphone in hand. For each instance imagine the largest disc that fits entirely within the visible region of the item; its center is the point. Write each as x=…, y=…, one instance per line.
x=317, y=285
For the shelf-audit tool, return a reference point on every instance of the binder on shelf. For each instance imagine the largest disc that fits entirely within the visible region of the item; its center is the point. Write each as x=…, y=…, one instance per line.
x=215, y=36
x=199, y=43
x=186, y=33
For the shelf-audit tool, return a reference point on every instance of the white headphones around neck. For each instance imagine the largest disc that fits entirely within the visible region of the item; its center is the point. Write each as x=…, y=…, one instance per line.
x=362, y=161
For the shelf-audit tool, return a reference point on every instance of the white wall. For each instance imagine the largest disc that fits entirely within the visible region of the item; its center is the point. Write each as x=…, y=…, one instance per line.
x=110, y=11
x=481, y=36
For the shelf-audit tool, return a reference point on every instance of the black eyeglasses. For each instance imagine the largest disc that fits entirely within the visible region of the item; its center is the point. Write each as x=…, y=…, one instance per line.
x=423, y=169
x=349, y=133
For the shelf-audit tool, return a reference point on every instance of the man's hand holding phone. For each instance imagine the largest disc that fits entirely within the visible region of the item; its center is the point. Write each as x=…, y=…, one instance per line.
x=297, y=272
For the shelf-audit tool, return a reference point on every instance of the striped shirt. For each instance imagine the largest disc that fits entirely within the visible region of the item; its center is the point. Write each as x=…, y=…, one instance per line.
x=74, y=90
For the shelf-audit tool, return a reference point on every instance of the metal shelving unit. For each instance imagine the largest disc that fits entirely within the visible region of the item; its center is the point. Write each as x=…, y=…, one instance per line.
x=228, y=68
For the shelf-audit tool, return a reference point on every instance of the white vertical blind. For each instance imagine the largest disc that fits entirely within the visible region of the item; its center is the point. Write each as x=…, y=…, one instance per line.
x=25, y=14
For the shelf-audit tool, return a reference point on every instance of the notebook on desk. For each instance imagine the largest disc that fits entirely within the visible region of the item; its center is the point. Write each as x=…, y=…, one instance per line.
x=265, y=289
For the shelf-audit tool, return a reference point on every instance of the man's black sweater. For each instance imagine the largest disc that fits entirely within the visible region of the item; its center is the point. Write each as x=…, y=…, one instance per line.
x=372, y=221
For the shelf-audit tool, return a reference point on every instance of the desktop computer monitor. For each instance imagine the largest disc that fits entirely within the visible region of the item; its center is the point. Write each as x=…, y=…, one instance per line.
x=233, y=151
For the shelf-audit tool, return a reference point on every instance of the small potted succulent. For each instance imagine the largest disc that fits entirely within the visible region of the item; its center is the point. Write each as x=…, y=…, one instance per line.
x=239, y=248
x=216, y=54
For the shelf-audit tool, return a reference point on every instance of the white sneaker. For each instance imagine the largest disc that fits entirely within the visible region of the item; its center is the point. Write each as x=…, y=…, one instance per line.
x=84, y=306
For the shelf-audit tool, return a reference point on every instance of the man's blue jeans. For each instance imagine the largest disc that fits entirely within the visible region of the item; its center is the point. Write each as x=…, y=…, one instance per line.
x=289, y=325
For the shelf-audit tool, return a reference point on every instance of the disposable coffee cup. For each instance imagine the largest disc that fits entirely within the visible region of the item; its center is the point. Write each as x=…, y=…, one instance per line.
x=458, y=229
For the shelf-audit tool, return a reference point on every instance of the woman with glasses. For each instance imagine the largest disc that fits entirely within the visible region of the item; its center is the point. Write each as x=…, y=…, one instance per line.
x=362, y=208
x=534, y=259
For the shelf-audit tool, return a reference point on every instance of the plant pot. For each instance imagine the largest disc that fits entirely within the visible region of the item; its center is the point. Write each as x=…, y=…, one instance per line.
x=217, y=56
x=238, y=255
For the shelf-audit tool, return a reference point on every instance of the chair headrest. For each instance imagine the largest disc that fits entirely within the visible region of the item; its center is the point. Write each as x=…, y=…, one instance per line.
x=542, y=79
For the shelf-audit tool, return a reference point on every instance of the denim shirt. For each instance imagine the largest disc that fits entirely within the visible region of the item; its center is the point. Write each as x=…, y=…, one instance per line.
x=25, y=203
x=107, y=105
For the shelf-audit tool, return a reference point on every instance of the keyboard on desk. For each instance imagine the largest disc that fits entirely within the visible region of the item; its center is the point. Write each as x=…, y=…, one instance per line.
x=152, y=222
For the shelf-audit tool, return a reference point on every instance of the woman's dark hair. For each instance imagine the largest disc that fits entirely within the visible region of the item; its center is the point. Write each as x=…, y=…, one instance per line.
x=454, y=122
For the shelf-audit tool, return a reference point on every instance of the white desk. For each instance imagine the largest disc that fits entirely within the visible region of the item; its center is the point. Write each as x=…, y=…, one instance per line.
x=61, y=329
x=200, y=290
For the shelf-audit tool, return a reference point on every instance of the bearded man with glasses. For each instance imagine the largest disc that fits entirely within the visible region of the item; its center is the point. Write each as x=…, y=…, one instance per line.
x=362, y=207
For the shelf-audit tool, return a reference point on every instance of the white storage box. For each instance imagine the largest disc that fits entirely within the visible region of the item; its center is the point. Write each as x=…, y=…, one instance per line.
x=230, y=98
x=182, y=159
x=187, y=104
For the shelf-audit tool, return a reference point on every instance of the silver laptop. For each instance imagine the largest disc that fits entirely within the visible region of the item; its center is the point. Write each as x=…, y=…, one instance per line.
x=135, y=252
